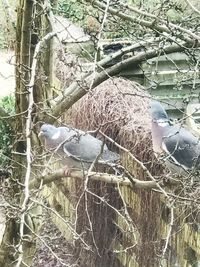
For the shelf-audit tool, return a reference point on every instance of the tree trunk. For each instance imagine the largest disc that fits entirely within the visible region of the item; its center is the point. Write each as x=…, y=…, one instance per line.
x=27, y=38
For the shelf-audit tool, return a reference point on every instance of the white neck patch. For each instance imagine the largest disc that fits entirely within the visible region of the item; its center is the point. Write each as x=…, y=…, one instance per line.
x=162, y=122
x=56, y=135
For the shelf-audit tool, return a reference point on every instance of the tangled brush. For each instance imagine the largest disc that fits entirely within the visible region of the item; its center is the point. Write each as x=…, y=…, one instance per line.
x=119, y=108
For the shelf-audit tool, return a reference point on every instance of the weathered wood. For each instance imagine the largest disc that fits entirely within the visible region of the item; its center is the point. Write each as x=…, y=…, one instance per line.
x=141, y=234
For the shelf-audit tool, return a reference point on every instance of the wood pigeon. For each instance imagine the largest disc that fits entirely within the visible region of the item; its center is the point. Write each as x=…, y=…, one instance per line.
x=180, y=148
x=75, y=148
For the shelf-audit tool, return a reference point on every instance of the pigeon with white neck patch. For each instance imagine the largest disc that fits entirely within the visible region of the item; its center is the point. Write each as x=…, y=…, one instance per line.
x=179, y=147
x=75, y=148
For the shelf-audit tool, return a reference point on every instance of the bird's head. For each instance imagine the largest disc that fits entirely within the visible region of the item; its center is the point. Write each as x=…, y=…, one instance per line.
x=47, y=130
x=157, y=112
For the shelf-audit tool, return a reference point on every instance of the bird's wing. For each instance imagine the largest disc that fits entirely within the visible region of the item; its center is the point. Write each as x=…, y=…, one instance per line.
x=181, y=146
x=83, y=146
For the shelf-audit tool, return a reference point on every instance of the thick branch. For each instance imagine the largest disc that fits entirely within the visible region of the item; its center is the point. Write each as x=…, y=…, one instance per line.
x=154, y=24
x=102, y=63
x=103, y=177
x=79, y=88
x=169, y=26
x=125, y=50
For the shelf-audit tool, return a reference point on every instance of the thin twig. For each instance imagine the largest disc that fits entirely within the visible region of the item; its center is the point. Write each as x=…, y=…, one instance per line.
x=192, y=7
x=169, y=232
x=141, y=164
x=28, y=144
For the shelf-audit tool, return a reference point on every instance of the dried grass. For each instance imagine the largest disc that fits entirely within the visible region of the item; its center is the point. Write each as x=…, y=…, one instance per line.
x=119, y=108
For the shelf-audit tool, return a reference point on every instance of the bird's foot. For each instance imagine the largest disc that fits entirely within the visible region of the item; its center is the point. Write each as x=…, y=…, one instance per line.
x=67, y=171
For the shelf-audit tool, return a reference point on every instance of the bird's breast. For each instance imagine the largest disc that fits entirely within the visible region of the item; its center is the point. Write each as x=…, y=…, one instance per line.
x=157, y=137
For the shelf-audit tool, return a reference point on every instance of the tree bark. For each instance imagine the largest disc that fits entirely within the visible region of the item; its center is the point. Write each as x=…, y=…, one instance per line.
x=27, y=38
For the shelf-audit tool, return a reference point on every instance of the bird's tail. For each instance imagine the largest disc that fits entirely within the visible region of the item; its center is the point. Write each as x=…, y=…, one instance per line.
x=110, y=156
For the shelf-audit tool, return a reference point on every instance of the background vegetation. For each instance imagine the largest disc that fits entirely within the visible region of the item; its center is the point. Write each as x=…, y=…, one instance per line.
x=7, y=132
x=7, y=23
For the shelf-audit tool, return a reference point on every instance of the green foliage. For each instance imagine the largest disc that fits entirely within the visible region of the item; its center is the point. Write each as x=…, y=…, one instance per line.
x=7, y=31
x=72, y=9
x=2, y=41
x=90, y=19
x=6, y=132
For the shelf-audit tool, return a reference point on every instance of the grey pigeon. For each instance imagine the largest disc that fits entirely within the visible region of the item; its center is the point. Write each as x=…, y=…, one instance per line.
x=179, y=147
x=75, y=148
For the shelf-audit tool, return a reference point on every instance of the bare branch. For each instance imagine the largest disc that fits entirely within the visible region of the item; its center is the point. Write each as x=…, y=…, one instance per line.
x=139, y=163
x=79, y=88
x=192, y=7
x=170, y=26
x=48, y=247
x=169, y=231
x=28, y=145
x=131, y=48
x=103, y=177
x=152, y=24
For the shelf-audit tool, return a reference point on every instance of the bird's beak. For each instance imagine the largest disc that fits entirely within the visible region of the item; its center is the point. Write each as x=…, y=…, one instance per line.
x=40, y=134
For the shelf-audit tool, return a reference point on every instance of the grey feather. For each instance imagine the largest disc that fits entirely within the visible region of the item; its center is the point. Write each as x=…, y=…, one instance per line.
x=181, y=147
x=76, y=148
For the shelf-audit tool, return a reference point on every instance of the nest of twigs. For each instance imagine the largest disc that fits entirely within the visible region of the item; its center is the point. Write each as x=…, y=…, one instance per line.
x=118, y=108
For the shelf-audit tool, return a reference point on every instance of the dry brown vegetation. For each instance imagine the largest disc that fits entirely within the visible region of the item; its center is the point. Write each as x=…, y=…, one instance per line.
x=119, y=108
